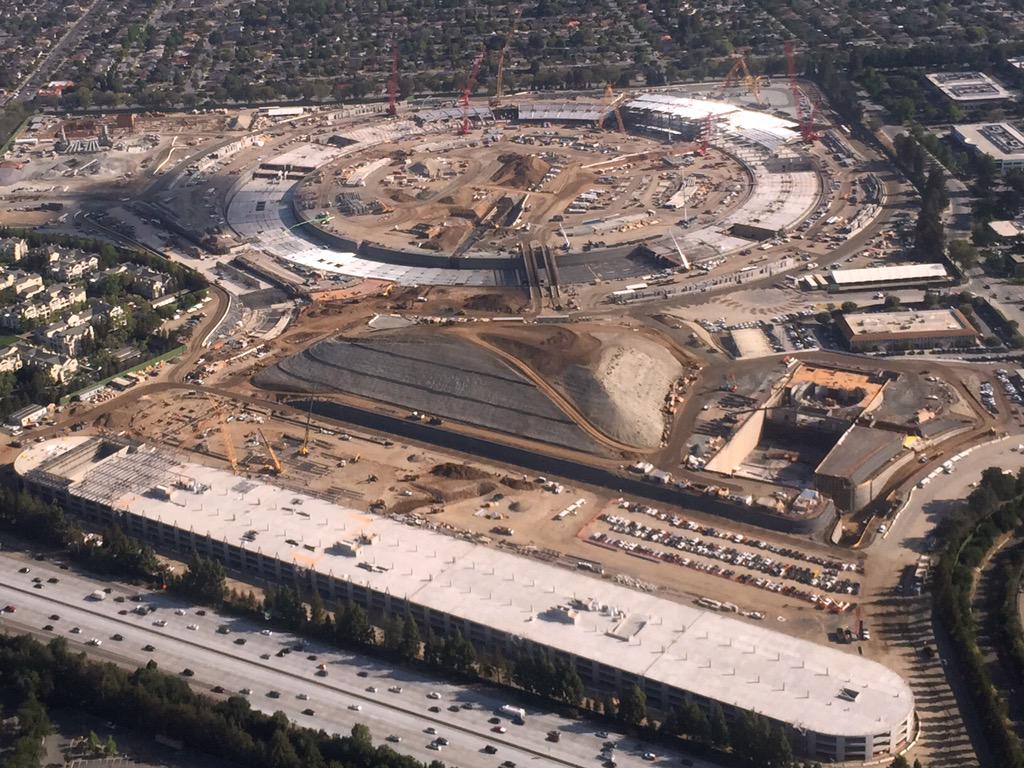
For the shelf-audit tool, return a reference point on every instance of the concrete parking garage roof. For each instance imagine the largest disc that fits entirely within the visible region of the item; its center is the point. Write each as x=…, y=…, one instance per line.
x=734, y=662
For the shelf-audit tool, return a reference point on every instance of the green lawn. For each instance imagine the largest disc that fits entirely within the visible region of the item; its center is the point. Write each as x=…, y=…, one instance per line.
x=6, y=341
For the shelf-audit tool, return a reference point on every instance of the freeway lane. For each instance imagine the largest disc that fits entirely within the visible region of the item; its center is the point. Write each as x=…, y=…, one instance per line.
x=219, y=659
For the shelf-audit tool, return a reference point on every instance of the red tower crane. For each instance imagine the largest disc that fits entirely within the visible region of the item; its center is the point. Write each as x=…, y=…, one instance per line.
x=467, y=91
x=706, y=134
x=393, y=82
x=804, y=116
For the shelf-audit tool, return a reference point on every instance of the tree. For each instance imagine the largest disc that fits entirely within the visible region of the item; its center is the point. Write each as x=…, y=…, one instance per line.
x=823, y=317
x=719, y=725
x=899, y=762
x=409, y=645
x=892, y=301
x=964, y=253
x=633, y=706
x=694, y=723
x=849, y=306
x=204, y=580
x=351, y=624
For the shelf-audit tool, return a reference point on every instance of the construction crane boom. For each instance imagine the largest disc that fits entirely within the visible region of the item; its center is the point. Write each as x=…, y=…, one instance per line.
x=393, y=82
x=499, y=85
x=468, y=91
x=740, y=71
x=304, y=449
x=805, y=117
x=275, y=462
x=706, y=134
x=225, y=434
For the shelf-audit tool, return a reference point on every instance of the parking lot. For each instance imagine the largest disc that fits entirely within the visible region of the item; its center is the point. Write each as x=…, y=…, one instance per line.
x=825, y=582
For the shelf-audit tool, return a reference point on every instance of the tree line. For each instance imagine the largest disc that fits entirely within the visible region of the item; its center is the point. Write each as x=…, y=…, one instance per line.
x=151, y=701
x=967, y=535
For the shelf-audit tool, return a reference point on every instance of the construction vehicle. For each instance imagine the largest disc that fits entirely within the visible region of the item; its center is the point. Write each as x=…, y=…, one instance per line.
x=740, y=71
x=467, y=91
x=304, y=448
x=499, y=85
x=275, y=463
x=229, y=446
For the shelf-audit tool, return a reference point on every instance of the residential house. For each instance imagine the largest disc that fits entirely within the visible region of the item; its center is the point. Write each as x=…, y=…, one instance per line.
x=10, y=359
x=27, y=284
x=148, y=282
x=60, y=368
x=13, y=249
x=65, y=337
x=103, y=310
x=74, y=266
x=62, y=296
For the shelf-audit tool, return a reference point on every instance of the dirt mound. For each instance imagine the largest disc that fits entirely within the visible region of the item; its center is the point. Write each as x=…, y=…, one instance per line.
x=491, y=302
x=520, y=171
x=454, y=471
x=618, y=380
x=547, y=350
x=516, y=483
x=401, y=197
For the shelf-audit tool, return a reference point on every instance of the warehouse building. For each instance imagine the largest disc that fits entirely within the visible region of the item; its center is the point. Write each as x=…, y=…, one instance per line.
x=906, y=329
x=834, y=706
x=1000, y=141
x=892, y=276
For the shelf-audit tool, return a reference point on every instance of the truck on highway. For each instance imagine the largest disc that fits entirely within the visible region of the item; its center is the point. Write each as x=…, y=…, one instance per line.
x=99, y=594
x=516, y=713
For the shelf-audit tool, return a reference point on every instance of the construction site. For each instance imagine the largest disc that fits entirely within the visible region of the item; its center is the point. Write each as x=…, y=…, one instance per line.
x=577, y=330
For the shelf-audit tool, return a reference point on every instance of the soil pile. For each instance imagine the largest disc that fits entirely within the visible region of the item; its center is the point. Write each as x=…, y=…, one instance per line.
x=618, y=380
x=454, y=471
x=520, y=171
x=491, y=302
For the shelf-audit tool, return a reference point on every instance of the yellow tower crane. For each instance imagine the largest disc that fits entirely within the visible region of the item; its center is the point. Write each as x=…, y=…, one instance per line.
x=499, y=82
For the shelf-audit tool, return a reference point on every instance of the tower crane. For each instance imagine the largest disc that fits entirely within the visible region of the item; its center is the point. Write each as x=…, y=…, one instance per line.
x=706, y=134
x=804, y=114
x=740, y=71
x=468, y=91
x=393, y=82
x=499, y=85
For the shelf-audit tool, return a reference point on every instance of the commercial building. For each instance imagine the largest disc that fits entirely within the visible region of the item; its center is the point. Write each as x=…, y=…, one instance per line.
x=860, y=464
x=968, y=88
x=1005, y=230
x=834, y=706
x=27, y=416
x=892, y=276
x=906, y=329
x=1000, y=141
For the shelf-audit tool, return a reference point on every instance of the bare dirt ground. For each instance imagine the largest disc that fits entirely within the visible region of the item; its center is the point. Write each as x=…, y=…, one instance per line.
x=505, y=508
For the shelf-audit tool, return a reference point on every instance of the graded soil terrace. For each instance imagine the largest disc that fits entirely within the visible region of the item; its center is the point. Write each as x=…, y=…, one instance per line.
x=587, y=389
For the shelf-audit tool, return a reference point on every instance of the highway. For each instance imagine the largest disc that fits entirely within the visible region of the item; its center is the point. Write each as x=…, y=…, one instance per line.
x=248, y=659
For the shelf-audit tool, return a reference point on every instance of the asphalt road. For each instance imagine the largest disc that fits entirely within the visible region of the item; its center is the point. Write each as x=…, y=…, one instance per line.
x=220, y=659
